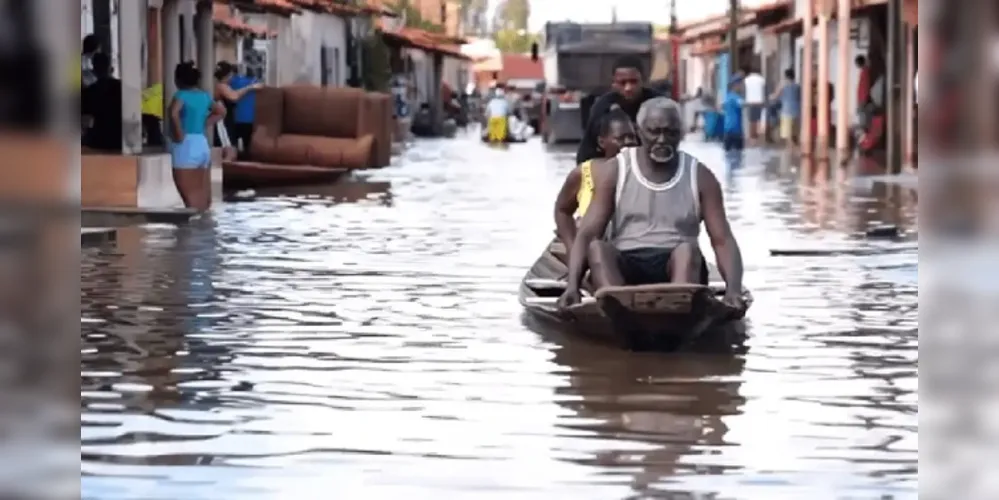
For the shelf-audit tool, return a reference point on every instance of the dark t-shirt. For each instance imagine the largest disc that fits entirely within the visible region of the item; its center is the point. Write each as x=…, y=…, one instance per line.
x=102, y=101
x=588, y=147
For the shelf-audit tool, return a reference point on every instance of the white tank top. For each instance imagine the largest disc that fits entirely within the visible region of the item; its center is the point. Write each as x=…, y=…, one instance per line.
x=650, y=215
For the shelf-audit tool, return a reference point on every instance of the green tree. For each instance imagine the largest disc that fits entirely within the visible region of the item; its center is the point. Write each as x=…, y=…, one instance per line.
x=512, y=14
x=414, y=19
x=474, y=16
x=510, y=26
x=514, y=41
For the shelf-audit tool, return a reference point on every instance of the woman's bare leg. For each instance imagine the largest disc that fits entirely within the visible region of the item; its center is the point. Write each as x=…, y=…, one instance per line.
x=182, y=181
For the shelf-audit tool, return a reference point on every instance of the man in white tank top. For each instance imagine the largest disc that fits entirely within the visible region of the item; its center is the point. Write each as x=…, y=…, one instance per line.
x=648, y=204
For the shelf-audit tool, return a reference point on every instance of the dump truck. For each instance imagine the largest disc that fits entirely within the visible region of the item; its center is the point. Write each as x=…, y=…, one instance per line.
x=578, y=61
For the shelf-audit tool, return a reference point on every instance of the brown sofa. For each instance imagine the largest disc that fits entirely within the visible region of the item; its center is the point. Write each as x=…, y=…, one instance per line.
x=321, y=127
x=384, y=125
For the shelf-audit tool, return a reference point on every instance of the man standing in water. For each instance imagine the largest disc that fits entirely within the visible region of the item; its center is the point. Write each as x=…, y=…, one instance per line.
x=650, y=202
x=628, y=93
x=756, y=96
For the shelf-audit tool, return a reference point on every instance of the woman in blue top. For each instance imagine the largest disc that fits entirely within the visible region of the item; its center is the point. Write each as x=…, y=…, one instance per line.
x=192, y=113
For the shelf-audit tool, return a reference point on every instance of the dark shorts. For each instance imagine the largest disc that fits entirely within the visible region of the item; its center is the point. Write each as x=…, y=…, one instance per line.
x=648, y=266
x=243, y=132
x=238, y=133
x=755, y=112
x=733, y=142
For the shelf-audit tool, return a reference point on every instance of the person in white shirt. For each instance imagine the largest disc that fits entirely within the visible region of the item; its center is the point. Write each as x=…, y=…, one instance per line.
x=497, y=111
x=756, y=98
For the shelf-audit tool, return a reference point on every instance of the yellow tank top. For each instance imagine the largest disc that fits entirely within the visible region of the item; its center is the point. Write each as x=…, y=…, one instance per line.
x=152, y=101
x=585, y=194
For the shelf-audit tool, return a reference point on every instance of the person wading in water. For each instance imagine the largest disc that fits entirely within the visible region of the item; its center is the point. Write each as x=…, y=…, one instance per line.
x=616, y=132
x=628, y=93
x=650, y=202
x=192, y=113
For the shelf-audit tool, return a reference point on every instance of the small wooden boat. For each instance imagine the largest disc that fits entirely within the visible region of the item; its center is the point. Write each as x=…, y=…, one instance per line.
x=662, y=317
x=247, y=174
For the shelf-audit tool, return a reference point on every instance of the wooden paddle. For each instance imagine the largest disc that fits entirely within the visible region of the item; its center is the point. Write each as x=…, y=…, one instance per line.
x=827, y=252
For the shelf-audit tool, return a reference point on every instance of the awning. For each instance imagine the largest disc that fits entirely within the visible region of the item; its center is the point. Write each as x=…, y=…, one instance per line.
x=426, y=41
x=224, y=18
x=784, y=26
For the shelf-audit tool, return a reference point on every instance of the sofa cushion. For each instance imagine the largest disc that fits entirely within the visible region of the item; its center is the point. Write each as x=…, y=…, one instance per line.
x=323, y=111
x=379, y=123
x=269, y=110
x=333, y=152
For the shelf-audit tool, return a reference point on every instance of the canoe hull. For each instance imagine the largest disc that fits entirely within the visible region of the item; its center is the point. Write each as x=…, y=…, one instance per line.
x=662, y=317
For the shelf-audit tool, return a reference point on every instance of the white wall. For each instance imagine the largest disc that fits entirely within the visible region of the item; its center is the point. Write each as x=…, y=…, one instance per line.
x=455, y=73
x=295, y=55
x=86, y=18
x=422, y=76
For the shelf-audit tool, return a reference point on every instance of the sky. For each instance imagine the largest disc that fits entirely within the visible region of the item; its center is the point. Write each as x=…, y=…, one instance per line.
x=656, y=11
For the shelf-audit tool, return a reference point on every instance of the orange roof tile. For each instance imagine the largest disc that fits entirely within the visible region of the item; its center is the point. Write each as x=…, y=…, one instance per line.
x=223, y=16
x=520, y=66
x=425, y=40
x=719, y=23
x=709, y=48
x=283, y=7
x=784, y=26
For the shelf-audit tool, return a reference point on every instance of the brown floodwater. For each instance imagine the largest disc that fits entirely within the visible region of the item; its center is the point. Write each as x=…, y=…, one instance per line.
x=365, y=341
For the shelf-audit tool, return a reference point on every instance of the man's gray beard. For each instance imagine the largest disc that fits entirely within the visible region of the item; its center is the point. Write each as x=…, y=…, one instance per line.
x=656, y=158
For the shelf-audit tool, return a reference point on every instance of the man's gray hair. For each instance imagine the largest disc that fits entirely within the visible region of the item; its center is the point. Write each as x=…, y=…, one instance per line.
x=660, y=103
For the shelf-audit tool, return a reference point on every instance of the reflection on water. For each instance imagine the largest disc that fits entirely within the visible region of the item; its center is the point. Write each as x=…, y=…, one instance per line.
x=365, y=341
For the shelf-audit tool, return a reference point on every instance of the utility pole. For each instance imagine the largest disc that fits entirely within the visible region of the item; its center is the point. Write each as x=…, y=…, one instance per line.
x=674, y=52
x=733, y=39
x=672, y=17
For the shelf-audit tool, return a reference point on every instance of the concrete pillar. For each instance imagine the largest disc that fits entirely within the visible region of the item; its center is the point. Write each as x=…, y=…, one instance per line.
x=807, y=78
x=893, y=99
x=822, y=95
x=205, y=41
x=205, y=37
x=171, y=53
x=115, y=49
x=910, y=96
x=189, y=50
x=436, y=105
x=843, y=78
x=154, y=45
x=130, y=20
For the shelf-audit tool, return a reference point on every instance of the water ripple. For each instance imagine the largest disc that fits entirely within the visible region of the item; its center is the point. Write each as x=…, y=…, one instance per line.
x=364, y=341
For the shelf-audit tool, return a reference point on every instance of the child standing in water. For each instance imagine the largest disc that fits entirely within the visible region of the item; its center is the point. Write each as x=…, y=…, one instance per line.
x=789, y=96
x=733, y=137
x=192, y=113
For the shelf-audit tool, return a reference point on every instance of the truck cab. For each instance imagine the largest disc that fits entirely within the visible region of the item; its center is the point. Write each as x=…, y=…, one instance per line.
x=578, y=65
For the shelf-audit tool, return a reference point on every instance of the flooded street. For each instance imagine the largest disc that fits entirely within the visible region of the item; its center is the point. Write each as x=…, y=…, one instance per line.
x=365, y=341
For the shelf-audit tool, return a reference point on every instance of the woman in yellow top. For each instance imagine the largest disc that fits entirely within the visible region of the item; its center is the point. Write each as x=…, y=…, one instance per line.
x=616, y=132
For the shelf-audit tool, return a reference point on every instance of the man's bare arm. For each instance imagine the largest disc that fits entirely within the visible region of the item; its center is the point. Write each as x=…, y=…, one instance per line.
x=595, y=221
x=726, y=249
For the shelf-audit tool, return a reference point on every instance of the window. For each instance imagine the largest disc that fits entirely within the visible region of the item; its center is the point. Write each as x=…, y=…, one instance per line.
x=329, y=66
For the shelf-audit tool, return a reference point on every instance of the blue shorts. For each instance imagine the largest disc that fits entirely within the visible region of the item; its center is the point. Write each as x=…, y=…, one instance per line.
x=755, y=112
x=192, y=152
